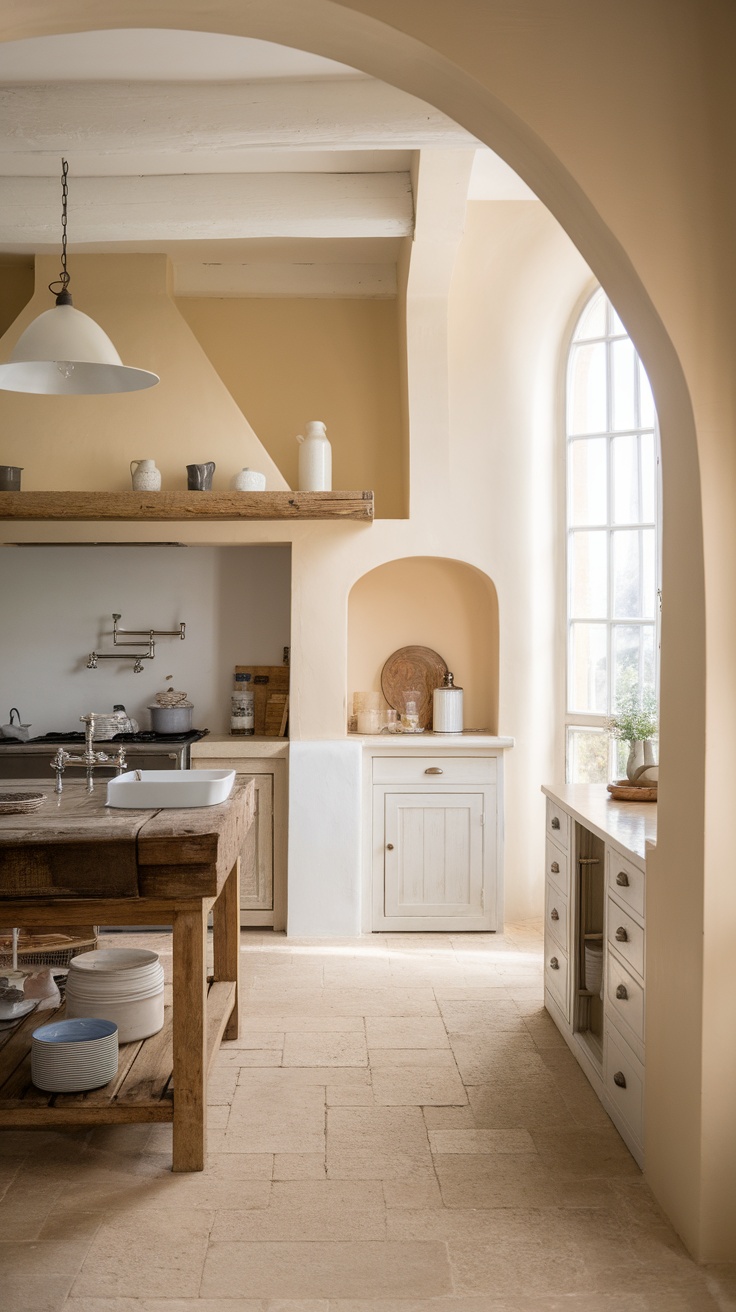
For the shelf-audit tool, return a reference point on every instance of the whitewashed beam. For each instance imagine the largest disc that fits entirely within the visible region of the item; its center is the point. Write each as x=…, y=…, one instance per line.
x=194, y=117
x=376, y=281
x=221, y=207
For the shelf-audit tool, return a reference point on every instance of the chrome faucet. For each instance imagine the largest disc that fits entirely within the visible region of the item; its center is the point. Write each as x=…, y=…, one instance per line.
x=90, y=757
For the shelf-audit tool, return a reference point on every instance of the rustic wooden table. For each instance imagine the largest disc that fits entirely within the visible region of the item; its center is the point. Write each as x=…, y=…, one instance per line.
x=74, y=861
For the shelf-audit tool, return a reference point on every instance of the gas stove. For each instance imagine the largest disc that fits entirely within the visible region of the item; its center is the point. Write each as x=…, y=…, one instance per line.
x=144, y=736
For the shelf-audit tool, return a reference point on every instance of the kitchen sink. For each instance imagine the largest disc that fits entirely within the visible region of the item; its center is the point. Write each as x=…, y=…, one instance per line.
x=142, y=789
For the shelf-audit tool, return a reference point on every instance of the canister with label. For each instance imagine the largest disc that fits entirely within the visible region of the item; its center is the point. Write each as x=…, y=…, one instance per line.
x=242, y=713
x=447, y=707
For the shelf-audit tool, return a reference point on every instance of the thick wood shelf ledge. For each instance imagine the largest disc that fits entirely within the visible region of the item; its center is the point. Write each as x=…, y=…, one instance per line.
x=184, y=506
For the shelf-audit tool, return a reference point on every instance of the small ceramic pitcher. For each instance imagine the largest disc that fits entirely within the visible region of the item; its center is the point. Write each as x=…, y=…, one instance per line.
x=145, y=476
x=315, y=459
x=199, y=477
x=249, y=480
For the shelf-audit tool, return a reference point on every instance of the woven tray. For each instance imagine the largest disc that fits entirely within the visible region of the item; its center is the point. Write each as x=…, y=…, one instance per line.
x=36, y=948
x=623, y=791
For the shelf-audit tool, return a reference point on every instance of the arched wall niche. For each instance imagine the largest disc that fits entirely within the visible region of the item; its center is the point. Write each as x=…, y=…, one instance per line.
x=434, y=602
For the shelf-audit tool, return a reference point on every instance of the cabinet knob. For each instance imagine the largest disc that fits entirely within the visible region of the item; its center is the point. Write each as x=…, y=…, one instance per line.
x=620, y=1079
x=554, y=963
x=622, y=879
x=554, y=914
x=433, y=769
x=622, y=992
x=555, y=867
x=621, y=935
x=389, y=847
x=555, y=822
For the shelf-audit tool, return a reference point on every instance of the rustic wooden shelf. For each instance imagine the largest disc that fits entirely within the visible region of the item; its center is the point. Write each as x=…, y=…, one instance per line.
x=141, y=1091
x=184, y=506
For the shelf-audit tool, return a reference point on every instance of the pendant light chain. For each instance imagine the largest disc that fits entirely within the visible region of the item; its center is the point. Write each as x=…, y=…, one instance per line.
x=63, y=280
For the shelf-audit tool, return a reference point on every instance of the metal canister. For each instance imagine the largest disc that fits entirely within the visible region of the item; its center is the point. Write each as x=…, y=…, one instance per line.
x=447, y=707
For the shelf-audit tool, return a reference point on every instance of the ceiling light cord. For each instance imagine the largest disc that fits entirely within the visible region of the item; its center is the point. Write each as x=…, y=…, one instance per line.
x=63, y=297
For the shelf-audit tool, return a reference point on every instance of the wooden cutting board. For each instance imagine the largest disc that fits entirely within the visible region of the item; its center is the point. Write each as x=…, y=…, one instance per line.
x=413, y=667
x=266, y=681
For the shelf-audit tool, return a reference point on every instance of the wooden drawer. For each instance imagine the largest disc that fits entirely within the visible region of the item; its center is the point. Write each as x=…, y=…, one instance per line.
x=557, y=866
x=439, y=770
x=558, y=825
x=625, y=881
x=555, y=977
x=625, y=937
x=625, y=1003
x=555, y=915
x=624, y=1083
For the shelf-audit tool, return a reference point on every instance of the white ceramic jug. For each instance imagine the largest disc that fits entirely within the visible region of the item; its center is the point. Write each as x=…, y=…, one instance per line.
x=315, y=459
x=145, y=477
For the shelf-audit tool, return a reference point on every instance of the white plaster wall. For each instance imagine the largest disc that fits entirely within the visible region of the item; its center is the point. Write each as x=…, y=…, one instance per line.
x=324, y=839
x=56, y=605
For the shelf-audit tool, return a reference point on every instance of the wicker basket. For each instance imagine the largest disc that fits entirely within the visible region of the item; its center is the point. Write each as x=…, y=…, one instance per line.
x=36, y=948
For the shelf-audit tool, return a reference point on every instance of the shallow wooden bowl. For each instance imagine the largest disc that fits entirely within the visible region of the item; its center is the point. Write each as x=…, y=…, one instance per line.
x=623, y=791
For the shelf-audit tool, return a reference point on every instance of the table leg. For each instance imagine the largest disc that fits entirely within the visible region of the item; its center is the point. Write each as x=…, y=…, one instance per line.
x=226, y=936
x=190, y=1051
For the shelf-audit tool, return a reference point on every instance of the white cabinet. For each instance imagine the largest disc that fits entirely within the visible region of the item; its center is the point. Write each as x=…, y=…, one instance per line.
x=264, y=853
x=594, y=922
x=436, y=839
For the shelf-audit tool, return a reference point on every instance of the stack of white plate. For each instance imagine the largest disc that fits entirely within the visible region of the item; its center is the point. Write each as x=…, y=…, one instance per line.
x=594, y=968
x=124, y=985
x=70, y=1056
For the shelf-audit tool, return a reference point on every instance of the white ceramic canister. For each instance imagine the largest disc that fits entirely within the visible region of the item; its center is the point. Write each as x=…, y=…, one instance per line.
x=145, y=477
x=447, y=707
x=249, y=480
x=315, y=459
x=121, y=985
x=242, y=712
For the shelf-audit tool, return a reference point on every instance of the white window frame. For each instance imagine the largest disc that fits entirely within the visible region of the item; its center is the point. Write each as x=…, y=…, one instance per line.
x=589, y=720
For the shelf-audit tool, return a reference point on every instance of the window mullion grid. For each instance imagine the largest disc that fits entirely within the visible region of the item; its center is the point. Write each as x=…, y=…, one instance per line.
x=609, y=533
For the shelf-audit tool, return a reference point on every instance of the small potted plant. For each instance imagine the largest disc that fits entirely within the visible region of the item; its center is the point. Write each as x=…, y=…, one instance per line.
x=635, y=722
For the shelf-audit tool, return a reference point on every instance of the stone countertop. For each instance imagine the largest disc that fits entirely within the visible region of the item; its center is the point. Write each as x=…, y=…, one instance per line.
x=239, y=746
x=434, y=741
x=629, y=826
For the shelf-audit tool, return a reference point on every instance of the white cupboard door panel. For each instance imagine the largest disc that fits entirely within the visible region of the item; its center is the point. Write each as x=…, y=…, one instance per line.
x=256, y=884
x=434, y=855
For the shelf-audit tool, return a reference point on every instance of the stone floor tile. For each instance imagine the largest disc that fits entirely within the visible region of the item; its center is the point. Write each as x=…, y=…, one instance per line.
x=377, y=1128
x=432, y=1057
x=314, y=1210
x=381, y=1002
x=515, y=1269
x=412, y=1086
x=515, y=1180
x=582, y=1154
x=337, y=1048
x=518, y=1105
x=299, y=1166
x=298, y=1024
x=448, y=1118
x=422, y=1190
x=376, y=1164
x=326, y=1270
x=271, y=1124
x=348, y=1094
x=289, y=1079
x=159, y=1254
x=481, y=1060
x=481, y=1017
x=64, y=1225
x=52, y=1258
x=35, y=1293
x=481, y=1141
x=402, y=1032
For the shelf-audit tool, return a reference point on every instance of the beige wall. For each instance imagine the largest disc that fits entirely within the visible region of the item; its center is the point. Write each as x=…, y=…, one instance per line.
x=286, y=361
x=16, y=289
x=637, y=179
x=441, y=604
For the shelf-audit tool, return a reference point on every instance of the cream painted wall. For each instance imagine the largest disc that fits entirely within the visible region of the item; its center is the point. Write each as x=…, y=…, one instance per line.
x=285, y=361
x=441, y=604
x=16, y=289
x=638, y=181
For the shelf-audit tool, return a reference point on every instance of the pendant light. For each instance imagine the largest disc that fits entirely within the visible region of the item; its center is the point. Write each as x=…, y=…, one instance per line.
x=65, y=353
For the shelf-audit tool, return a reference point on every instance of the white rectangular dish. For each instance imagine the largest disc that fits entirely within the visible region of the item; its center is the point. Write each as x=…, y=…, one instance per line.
x=139, y=789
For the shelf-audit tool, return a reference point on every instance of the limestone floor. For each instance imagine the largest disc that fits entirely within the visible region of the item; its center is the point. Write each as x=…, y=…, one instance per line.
x=399, y=1128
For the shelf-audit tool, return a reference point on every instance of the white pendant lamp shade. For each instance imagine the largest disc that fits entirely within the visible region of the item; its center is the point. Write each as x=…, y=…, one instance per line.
x=64, y=352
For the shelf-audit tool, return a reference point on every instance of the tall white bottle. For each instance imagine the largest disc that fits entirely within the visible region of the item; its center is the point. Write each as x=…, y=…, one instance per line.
x=315, y=459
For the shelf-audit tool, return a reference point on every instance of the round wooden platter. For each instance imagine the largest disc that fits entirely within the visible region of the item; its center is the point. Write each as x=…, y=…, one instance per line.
x=623, y=791
x=409, y=668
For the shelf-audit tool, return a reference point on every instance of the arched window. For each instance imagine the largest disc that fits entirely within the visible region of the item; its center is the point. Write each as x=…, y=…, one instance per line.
x=612, y=453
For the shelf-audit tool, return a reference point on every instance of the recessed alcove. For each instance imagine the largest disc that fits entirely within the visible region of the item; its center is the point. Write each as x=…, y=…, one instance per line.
x=435, y=602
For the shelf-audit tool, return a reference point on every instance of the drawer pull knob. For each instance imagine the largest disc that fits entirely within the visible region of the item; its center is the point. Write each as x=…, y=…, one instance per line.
x=389, y=847
x=622, y=879
x=555, y=867
x=433, y=769
x=622, y=992
x=620, y=1079
x=621, y=935
x=555, y=822
x=554, y=963
x=554, y=914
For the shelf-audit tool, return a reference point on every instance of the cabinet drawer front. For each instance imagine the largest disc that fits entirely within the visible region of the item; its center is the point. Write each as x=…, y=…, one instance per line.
x=624, y=1083
x=625, y=881
x=624, y=1000
x=625, y=937
x=434, y=770
x=558, y=825
x=555, y=916
x=557, y=866
x=555, y=976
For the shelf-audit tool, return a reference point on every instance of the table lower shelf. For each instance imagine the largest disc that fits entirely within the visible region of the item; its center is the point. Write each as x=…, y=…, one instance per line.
x=142, y=1090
